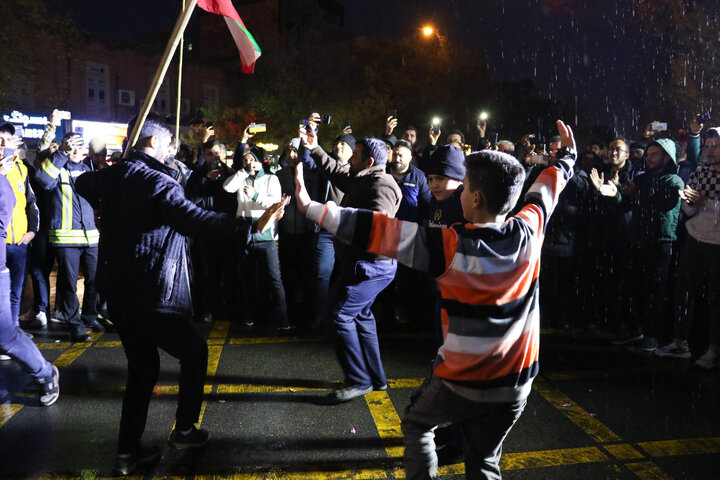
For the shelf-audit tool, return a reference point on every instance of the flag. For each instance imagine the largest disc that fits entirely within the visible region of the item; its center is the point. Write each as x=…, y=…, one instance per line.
x=246, y=44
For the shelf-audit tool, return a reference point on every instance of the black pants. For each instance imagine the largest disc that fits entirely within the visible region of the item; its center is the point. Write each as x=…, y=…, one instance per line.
x=649, y=309
x=142, y=333
x=262, y=287
x=70, y=261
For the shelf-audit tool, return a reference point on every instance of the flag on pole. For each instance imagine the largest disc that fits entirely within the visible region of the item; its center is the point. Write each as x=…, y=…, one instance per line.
x=246, y=44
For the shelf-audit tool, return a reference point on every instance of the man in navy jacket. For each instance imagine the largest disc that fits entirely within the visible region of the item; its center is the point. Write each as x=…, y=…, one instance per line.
x=144, y=270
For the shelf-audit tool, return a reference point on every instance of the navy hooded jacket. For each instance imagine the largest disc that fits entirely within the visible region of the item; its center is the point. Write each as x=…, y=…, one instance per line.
x=143, y=254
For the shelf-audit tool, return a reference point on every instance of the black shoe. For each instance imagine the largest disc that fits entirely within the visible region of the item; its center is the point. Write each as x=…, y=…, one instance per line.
x=95, y=326
x=56, y=316
x=79, y=335
x=348, y=393
x=127, y=463
x=195, y=438
x=50, y=388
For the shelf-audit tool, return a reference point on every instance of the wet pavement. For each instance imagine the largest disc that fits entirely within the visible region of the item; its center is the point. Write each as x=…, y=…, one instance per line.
x=596, y=412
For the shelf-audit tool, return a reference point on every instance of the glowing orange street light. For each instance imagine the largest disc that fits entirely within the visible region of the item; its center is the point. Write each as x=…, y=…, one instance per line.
x=427, y=31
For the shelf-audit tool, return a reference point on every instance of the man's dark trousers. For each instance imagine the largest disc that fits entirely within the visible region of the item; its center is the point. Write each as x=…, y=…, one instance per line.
x=16, y=256
x=349, y=302
x=70, y=261
x=142, y=333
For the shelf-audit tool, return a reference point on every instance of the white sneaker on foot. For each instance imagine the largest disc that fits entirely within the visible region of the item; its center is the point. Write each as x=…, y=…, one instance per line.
x=710, y=359
x=674, y=349
x=39, y=321
x=5, y=357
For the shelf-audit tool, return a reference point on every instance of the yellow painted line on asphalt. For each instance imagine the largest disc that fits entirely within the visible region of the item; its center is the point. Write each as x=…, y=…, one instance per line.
x=364, y=474
x=53, y=346
x=387, y=422
x=202, y=413
x=647, y=471
x=172, y=389
x=623, y=451
x=687, y=446
x=219, y=332
x=7, y=411
x=405, y=382
x=214, y=353
x=552, y=458
x=113, y=344
x=590, y=425
x=250, y=388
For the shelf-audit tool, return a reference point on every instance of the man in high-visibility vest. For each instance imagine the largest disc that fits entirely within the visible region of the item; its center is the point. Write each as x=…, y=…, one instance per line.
x=73, y=234
x=23, y=224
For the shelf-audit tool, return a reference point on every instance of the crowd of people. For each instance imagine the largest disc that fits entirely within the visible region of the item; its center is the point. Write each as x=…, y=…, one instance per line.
x=192, y=234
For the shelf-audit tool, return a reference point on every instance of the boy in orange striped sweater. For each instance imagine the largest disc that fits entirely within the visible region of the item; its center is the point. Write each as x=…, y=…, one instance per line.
x=487, y=271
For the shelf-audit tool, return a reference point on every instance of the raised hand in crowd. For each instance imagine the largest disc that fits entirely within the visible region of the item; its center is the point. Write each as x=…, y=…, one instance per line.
x=390, y=125
x=608, y=189
x=272, y=214
x=567, y=139
x=691, y=196
x=308, y=136
x=246, y=136
x=55, y=117
x=434, y=136
x=209, y=133
x=302, y=197
x=482, y=127
x=694, y=126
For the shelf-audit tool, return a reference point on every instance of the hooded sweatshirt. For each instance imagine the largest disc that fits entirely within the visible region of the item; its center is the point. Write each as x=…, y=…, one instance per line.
x=656, y=204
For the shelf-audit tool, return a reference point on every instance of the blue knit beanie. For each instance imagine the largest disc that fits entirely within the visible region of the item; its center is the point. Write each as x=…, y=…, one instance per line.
x=448, y=161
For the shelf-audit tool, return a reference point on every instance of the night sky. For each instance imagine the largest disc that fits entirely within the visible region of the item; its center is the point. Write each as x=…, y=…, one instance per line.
x=590, y=52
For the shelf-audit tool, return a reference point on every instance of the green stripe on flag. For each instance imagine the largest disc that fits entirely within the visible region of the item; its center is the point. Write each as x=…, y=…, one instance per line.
x=249, y=35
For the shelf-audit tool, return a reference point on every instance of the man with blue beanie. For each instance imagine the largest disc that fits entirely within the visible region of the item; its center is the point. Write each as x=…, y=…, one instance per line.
x=361, y=275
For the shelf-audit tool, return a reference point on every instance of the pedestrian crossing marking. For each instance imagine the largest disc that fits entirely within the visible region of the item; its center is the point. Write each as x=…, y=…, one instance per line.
x=552, y=458
x=214, y=353
x=387, y=422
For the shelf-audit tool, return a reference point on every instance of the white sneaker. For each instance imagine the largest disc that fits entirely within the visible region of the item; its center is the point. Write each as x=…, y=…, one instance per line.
x=710, y=359
x=674, y=349
x=39, y=321
x=5, y=357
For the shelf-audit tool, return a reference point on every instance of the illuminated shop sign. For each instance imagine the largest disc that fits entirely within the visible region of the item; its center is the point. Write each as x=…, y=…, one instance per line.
x=30, y=125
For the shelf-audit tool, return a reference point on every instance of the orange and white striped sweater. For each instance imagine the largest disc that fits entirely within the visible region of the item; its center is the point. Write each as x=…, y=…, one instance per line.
x=488, y=277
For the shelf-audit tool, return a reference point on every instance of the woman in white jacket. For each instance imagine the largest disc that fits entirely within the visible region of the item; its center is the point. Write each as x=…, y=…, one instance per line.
x=260, y=267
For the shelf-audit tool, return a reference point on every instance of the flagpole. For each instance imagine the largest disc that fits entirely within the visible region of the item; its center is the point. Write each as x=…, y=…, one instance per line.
x=179, y=87
x=177, y=32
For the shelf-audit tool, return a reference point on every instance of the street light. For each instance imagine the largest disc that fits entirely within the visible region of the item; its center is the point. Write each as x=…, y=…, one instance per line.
x=428, y=31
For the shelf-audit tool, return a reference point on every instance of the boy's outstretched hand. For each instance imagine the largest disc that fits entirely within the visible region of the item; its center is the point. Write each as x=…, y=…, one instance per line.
x=566, y=135
x=272, y=214
x=302, y=198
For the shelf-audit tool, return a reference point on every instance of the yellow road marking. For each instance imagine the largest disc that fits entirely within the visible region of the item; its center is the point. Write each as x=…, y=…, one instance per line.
x=623, y=451
x=213, y=359
x=202, y=414
x=405, y=382
x=53, y=346
x=7, y=411
x=647, y=471
x=581, y=418
x=688, y=446
x=68, y=357
x=365, y=474
x=387, y=422
x=552, y=458
x=219, y=332
x=250, y=388
x=113, y=344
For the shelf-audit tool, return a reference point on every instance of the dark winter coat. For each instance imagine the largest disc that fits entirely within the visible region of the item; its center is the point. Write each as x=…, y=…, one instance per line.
x=143, y=257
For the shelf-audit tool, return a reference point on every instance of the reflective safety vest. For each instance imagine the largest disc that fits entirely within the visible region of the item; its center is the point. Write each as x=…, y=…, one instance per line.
x=19, y=223
x=72, y=220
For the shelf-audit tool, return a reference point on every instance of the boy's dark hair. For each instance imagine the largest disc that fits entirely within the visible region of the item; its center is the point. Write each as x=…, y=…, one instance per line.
x=372, y=147
x=7, y=127
x=555, y=139
x=457, y=132
x=403, y=143
x=410, y=127
x=500, y=177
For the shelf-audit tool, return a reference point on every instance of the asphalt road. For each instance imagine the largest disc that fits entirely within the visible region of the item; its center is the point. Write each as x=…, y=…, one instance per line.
x=595, y=412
